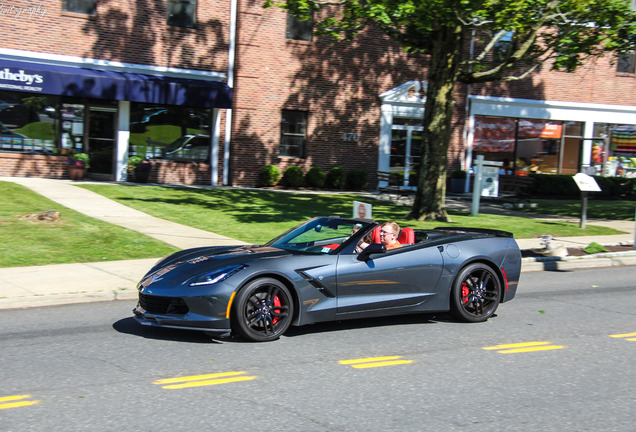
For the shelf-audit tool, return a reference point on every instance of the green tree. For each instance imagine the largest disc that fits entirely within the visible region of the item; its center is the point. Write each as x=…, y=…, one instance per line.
x=510, y=39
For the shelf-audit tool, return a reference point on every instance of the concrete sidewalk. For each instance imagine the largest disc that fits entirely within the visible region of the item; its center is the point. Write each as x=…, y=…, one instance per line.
x=34, y=286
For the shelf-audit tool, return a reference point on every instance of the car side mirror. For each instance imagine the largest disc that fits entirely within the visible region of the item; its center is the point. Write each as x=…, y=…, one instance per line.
x=373, y=248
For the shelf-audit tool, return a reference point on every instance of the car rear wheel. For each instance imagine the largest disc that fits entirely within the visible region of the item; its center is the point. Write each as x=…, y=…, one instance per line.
x=476, y=293
x=263, y=310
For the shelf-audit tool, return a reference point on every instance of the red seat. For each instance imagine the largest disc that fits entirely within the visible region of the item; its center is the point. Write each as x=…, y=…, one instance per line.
x=375, y=238
x=407, y=236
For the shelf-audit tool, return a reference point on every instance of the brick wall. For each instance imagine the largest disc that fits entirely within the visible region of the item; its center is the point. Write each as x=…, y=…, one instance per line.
x=122, y=30
x=25, y=165
x=180, y=173
x=338, y=84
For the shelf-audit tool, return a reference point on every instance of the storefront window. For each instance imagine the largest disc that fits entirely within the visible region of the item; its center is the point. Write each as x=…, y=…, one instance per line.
x=574, y=129
x=494, y=138
x=73, y=127
x=28, y=123
x=155, y=131
x=538, y=145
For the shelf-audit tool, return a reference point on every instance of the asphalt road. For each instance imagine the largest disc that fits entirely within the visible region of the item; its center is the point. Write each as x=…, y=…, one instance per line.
x=557, y=358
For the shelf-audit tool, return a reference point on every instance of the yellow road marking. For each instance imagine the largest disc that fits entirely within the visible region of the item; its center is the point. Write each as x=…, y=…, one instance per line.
x=515, y=345
x=380, y=364
x=523, y=347
x=626, y=335
x=370, y=362
x=13, y=404
x=369, y=359
x=542, y=348
x=208, y=382
x=202, y=380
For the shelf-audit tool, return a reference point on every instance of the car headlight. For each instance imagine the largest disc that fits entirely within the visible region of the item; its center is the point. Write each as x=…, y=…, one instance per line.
x=217, y=275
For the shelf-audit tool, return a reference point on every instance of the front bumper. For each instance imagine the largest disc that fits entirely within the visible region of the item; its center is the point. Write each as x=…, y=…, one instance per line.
x=188, y=321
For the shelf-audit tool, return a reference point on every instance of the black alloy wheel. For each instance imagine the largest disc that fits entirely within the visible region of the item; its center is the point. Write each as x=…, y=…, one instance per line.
x=476, y=293
x=263, y=310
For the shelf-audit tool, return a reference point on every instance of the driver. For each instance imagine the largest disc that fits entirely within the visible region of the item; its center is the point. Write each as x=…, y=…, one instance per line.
x=388, y=237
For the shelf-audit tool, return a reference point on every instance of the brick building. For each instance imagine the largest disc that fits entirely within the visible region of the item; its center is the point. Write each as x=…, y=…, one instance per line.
x=216, y=90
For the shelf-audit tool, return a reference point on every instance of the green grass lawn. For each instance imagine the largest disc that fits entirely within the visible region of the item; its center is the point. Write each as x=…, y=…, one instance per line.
x=596, y=209
x=256, y=216
x=77, y=238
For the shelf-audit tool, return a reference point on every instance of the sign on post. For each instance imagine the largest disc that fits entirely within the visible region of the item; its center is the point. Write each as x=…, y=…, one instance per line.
x=486, y=176
x=362, y=210
x=490, y=181
x=586, y=184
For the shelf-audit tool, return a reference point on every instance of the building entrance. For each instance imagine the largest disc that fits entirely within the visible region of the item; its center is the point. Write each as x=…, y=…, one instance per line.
x=406, y=146
x=102, y=126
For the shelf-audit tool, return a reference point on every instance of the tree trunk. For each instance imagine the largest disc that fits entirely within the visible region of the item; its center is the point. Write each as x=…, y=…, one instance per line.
x=442, y=76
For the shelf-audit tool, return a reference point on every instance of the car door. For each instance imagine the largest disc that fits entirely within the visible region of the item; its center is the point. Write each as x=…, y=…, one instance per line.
x=399, y=279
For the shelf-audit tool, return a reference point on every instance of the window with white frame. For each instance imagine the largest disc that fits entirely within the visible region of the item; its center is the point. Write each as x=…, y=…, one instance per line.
x=293, y=133
x=181, y=13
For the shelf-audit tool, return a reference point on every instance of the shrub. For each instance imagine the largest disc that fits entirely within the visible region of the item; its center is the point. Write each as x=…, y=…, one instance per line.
x=357, y=179
x=293, y=176
x=336, y=178
x=458, y=174
x=565, y=186
x=269, y=175
x=594, y=247
x=315, y=177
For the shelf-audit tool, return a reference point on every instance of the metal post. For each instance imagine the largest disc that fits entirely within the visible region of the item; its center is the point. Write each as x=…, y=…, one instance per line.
x=583, y=209
x=477, y=185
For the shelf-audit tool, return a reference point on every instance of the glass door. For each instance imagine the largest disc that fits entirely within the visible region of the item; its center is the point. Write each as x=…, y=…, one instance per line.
x=102, y=126
x=406, y=145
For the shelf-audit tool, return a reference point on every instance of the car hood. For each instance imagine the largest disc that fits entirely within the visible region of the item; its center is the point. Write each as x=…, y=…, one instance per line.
x=200, y=260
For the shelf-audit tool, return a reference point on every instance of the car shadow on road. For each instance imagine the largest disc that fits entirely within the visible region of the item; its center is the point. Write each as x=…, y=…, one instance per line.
x=132, y=327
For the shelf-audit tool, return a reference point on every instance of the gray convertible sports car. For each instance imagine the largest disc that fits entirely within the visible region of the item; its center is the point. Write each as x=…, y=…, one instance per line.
x=312, y=273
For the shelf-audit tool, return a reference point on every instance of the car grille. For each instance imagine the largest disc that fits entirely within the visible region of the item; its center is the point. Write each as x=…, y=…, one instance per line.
x=162, y=305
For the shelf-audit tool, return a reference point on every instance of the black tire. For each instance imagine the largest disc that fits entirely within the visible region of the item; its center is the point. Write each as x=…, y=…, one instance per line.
x=263, y=310
x=475, y=294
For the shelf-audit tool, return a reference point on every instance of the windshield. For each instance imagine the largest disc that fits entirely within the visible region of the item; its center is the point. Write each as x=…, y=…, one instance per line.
x=321, y=235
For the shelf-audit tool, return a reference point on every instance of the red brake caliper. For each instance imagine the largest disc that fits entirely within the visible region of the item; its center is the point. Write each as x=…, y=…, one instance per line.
x=465, y=293
x=276, y=304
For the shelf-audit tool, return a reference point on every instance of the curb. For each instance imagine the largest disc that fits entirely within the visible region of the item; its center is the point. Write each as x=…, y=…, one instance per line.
x=610, y=259
x=65, y=299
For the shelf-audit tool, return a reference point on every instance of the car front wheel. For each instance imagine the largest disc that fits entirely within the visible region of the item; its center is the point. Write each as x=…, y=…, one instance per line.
x=476, y=293
x=263, y=310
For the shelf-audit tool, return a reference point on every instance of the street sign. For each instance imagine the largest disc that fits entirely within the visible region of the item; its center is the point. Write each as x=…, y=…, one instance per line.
x=586, y=183
x=362, y=210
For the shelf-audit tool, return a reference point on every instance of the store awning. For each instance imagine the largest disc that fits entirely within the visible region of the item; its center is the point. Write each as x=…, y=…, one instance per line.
x=112, y=85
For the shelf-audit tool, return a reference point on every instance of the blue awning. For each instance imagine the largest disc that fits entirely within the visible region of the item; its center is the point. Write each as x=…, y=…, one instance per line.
x=112, y=85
